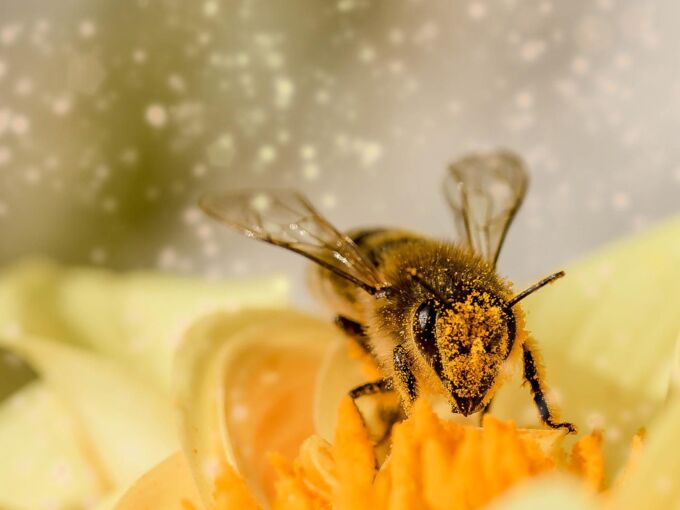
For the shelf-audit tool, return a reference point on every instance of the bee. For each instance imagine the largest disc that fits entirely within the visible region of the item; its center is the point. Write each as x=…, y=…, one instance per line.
x=435, y=315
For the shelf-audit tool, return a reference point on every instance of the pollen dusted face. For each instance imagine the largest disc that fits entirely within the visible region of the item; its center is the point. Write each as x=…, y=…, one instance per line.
x=473, y=340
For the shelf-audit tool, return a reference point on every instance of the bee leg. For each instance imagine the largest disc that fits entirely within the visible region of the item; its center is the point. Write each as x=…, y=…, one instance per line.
x=486, y=409
x=402, y=370
x=355, y=331
x=371, y=388
x=532, y=376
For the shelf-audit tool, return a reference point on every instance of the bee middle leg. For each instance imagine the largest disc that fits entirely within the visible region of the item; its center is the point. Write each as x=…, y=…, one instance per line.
x=532, y=376
x=355, y=331
x=371, y=388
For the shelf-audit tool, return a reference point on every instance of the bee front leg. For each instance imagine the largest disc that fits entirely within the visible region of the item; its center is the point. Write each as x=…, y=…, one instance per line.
x=532, y=376
x=402, y=372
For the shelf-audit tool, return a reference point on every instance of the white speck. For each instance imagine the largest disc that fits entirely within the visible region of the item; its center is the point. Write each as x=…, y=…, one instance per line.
x=167, y=258
x=524, y=100
x=270, y=377
x=367, y=54
x=87, y=29
x=199, y=170
x=10, y=33
x=176, y=83
x=156, y=115
x=204, y=232
x=222, y=151
x=620, y=201
x=283, y=92
x=396, y=36
x=595, y=421
x=139, y=56
x=192, y=215
x=211, y=468
x=98, y=255
x=210, y=8
x=664, y=484
x=477, y=10
x=328, y=200
x=369, y=153
x=580, y=66
x=110, y=204
x=310, y=171
x=261, y=202
x=61, y=106
x=19, y=124
x=346, y=5
x=676, y=174
x=24, y=87
x=267, y=154
x=307, y=152
x=5, y=155
x=532, y=49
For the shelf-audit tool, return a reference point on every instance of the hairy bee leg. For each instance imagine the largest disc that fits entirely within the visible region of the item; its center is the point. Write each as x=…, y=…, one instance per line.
x=355, y=331
x=402, y=370
x=371, y=388
x=532, y=376
x=486, y=409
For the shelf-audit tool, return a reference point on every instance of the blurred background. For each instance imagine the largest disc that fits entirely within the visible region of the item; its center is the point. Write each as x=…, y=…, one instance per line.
x=115, y=117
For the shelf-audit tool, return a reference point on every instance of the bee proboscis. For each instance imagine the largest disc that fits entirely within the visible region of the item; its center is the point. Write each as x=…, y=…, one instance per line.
x=435, y=315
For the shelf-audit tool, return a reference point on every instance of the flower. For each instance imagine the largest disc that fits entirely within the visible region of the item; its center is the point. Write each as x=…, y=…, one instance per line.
x=248, y=382
x=86, y=405
x=608, y=335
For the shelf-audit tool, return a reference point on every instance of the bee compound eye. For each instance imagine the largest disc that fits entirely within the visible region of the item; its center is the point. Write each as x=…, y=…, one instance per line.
x=426, y=317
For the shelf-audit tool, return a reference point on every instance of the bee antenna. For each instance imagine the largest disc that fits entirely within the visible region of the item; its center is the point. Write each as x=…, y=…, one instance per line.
x=545, y=281
x=414, y=274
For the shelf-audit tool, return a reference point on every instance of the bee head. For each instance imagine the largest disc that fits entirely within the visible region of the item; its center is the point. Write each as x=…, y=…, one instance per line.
x=465, y=342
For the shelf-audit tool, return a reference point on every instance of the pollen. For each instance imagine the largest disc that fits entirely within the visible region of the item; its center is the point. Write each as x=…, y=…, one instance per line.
x=472, y=337
x=434, y=464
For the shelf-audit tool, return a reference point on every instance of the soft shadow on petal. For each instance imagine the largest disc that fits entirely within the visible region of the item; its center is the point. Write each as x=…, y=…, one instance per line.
x=554, y=492
x=168, y=486
x=607, y=333
x=244, y=386
x=124, y=424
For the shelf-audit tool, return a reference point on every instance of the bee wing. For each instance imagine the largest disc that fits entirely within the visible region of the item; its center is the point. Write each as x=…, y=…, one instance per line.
x=484, y=192
x=285, y=218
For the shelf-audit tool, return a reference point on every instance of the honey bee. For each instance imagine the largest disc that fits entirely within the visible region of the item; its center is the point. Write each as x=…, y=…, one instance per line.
x=435, y=315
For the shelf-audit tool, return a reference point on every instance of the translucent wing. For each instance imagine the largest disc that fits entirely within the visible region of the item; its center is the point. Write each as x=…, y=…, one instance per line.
x=485, y=191
x=285, y=218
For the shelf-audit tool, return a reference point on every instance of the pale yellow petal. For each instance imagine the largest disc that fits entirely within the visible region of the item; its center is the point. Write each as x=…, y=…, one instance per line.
x=554, y=492
x=168, y=486
x=137, y=318
x=607, y=333
x=244, y=385
x=654, y=481
x=41, y=448
x=125, y=424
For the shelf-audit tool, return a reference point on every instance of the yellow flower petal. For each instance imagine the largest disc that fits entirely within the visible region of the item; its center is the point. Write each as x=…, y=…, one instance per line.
x=654, y=479
x=607, y=333
x=244, y=385
x=39, y=448
x=553, y=491
x=168, y=486
x=136, y=318
x=126, y=424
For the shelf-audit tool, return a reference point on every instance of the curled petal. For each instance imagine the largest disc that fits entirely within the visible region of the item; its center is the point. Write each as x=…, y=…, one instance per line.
x=244, y=387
